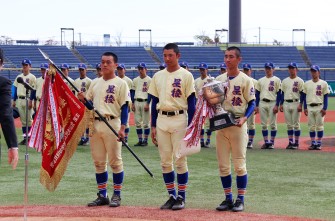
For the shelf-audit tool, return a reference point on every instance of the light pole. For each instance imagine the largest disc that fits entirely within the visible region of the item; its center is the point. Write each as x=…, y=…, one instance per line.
x=139, y=36
x=220, y=30
x=61, y=36
x=298, y=29
x=255, y=36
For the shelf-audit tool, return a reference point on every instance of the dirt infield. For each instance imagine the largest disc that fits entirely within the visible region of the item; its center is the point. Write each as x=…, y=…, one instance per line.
x=126, y=213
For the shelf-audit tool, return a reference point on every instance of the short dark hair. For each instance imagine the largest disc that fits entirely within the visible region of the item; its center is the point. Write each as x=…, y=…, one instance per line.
x=236, y=49
x=111, y=54
x=172, y=46
x=1, y=57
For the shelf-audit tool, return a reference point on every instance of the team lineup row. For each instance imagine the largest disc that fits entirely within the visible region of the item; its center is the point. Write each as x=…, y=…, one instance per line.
x=169, y=99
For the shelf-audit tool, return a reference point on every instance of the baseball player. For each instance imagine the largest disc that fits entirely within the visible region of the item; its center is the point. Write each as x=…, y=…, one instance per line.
x=36, y=95
x=268, y=96
x=290, y=104
x=315, y=96
x=140, y=104
x=223, y=68
x=98, y=69
x=6, y=117
x=173, y=94
x=231, y=142
x=198, y=84
x=251, y=120
x=121, y=72
x=110, y=96
x=162, y=66
x=65, y=70
x=83, y=84
x=184, y=64
x=19, y=98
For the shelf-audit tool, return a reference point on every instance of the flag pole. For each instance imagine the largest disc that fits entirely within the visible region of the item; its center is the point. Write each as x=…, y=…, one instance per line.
x=98, y=113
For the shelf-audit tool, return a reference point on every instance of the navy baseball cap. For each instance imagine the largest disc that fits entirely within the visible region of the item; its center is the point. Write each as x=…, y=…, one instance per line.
x=98, y=66
x=26, y=61
x=223, y=66
x=64, y=66
x=203, y=65
x=44, y=66
x=121, y=66
x=269, y=65
x=162, y=65
x=141, y=65
x=246, y=66
x=81, y=66
x=183, y=64
x=292, y=65
x=315, y=68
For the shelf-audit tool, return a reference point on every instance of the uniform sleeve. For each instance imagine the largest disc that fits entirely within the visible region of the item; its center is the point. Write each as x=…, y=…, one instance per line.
x=249, y=92
x=278, y=85
x=133, y=85
x=326, y=89
x=301, y=85
x=257, y=86
x=89, y=93
x=189, y=86
x=153, y=88
x=124, y=95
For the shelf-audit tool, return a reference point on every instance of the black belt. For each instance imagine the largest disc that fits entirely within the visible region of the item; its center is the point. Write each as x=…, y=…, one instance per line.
x=292, y=100
x=266, y=100
x=140, y=99
x=106, y=118
x=22, y=97
x=172, y=113
x=314, y=104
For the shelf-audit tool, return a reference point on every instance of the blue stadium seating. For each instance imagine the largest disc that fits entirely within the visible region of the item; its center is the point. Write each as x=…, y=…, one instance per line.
x=58, y=54
x=322, y=56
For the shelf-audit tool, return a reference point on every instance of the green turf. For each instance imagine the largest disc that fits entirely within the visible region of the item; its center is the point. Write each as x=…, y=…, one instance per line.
x=282, y=182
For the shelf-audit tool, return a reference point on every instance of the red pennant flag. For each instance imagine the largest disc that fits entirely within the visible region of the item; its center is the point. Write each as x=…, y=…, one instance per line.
x=57, y=128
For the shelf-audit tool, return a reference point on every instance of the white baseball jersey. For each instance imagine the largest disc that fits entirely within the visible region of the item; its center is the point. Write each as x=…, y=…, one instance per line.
x=198, y=84
x=315, y=91
x=39, y=87
x=292, y=88
x=83, y=84
x=268, y=87
x=141, y=87
x=29, y=79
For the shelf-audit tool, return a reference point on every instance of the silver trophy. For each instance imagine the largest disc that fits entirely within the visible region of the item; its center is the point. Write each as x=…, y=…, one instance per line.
x=215, y=93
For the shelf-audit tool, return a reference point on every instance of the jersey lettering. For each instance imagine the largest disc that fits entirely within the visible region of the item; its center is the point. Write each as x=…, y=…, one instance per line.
x=236, y=101
x=318, y=90
x=237, y=90
x=145, y=87
x=272, y=86
x=110, y=94
x=83, y=87
x=176, y=91
x=295, y=88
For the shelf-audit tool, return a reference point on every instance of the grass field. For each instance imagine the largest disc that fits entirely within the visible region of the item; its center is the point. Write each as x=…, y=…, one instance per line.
x=281, y=182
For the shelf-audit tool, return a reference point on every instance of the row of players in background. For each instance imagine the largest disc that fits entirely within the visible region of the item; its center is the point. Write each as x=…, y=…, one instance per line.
x=272, y=96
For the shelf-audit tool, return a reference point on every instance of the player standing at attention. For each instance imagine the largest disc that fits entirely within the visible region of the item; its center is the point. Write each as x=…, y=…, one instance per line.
x=98, y=69
x=223, y=68
x=184, y=65
x=268, y=96
x=290, y=103
x=121, y=72
x=110, y=96
x=198, y=84
x=251, y=120
x=83, y=84
x=65, y=70
x=315, y=94
x=36, y=95
x=19, y=96
x=140, y=105
x=173, y=94
x=231, y=142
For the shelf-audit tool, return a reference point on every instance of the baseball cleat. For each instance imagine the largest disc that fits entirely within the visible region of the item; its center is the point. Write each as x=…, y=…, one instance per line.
x=115, y=201
x=249, y=146
x=144, y=144
x=225, y=205
x=179, y=204
x=207, y=145
x=238, y=206
x=202, y=143
x=295, y=146
x=169, y=203
x=318, y=147
x=23, y=142
x=100, y=201
x=138, y=144
x=312, y=147
x=290, y=146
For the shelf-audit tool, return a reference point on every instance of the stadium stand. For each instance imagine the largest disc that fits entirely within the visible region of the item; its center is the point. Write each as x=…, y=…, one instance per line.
x=322, y=56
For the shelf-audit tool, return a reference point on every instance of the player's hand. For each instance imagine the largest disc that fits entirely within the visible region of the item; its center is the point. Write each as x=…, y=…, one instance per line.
x=146, y=107
x=299, y=108
x=81, y=96
x=30, y=104
x=13, y=157
x=323, y=112
x=241, y=121
x=306, y=112
x=256, y=110
x=121, y=133
x=13, y=103
x=281, y=109
x=153, y=136
x=275, y=109
x=133, y=107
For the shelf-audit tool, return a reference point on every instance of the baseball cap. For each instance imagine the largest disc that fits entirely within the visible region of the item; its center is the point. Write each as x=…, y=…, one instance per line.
x=26, y=61
x=203, y=65
x=64, y=66
x=162, y=65
x=81, y=66
x=183, y=64
x=98, y=66
x=315, y=68
x=269, y=65
x=44, y=66
x=246, y=66
x=292, y=64
x=141, y=65
x=121, y=66
x=223, y=66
